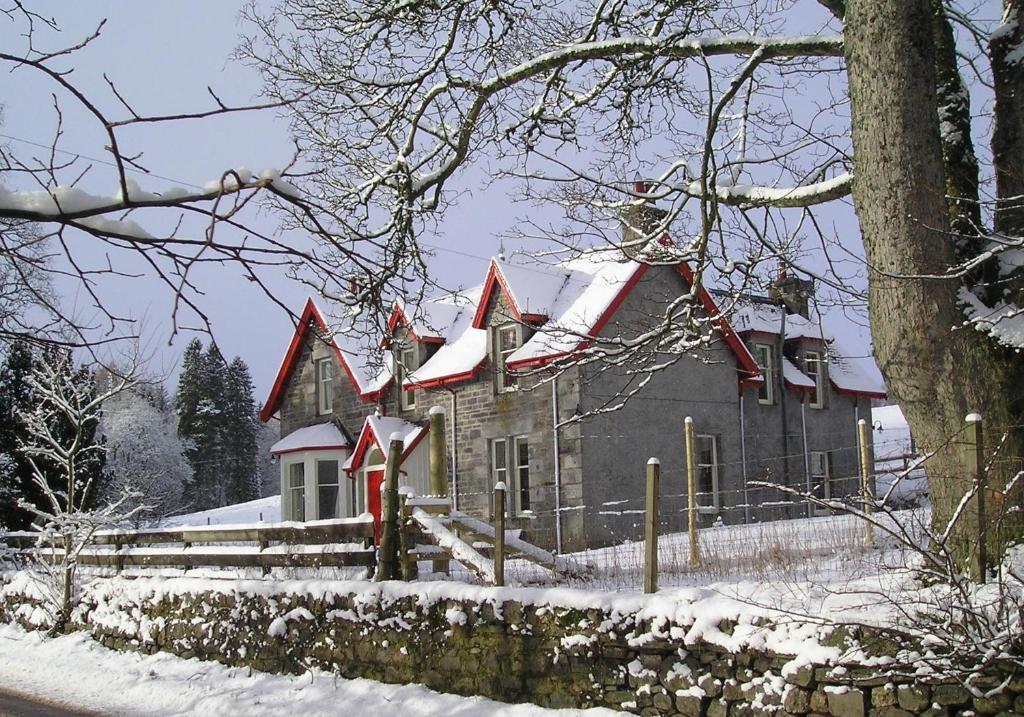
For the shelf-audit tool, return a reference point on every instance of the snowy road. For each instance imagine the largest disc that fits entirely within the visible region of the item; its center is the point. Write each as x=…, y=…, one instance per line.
x=75, y=670
x=16, y=705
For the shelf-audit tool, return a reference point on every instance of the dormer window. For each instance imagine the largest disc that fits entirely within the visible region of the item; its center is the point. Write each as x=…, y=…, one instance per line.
x=407, y=363
x=815, y=369
x=324, y=385
x=507, y=338
x=766, y=360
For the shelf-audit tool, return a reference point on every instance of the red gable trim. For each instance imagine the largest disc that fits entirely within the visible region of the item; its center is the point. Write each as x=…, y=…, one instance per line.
x=749, y=370
x=747, y=364
x=311, y=449
x=367, y=438
x=862, y=394
x=398, y=316
x=310, y=315
x=495, y=279
x=442, y=381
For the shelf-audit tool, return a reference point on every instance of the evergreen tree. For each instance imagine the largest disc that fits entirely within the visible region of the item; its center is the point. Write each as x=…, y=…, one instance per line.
x=217, y=417
x=15, y=472
x=186, y=404
x=241, y=434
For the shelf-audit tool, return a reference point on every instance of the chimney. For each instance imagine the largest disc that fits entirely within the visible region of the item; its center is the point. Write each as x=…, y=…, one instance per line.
x=639, y=222
x=793, y=292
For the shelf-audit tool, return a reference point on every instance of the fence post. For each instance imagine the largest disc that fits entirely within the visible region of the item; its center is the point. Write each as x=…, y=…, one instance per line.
x=974, y=459
x=438, y=467
x=865, y=481
x=499, y=534
x=410, y=569
x=388, y=561
x=651, y=525
x=691, y=493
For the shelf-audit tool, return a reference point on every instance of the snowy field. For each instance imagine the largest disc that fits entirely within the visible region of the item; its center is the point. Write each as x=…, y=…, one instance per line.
x=74, y=670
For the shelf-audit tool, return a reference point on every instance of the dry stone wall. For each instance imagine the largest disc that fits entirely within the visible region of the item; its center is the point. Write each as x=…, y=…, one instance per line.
x=485, y=642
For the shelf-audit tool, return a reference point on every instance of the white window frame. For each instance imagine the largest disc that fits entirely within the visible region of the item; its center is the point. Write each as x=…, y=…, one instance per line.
x=340, y=502
x=311, y=487
x=324, y=386
x=821, y=472
x=767, y=353
x=715, y=504
x=505, y=450
x=816, y=359
x=504, y=381
x=407, y=363
x=296, y=491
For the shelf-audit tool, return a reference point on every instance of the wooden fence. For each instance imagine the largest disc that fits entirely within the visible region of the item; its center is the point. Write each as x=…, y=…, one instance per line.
x=327, y=543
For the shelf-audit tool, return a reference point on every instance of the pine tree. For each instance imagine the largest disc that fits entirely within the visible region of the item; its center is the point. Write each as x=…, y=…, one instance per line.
x=242, y=430
x=217, y=418
x=186, y=404
x=15, y=472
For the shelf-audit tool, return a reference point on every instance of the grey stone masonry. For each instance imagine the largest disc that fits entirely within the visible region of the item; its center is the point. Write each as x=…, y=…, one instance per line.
x=506, y=649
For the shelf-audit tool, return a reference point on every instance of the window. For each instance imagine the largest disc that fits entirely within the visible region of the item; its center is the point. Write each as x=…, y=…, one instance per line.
x=821, y=474
x=706, y=462
x=324, y=385
x=328, y=490
x=406, y=365
x=521, y=499
x=506, y=340
x=765, y=354
x=297, y=490
x=815, y=370
x=510, y=464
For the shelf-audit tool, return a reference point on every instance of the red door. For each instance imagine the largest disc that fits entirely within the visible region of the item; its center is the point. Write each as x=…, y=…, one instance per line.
x=374, y=481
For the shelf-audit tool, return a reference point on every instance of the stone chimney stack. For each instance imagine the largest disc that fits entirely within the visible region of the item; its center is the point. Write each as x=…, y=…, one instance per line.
x=639, y=221
x=794, y=292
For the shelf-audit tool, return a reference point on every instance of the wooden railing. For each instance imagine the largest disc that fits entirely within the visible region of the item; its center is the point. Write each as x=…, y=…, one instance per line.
x=328, y=543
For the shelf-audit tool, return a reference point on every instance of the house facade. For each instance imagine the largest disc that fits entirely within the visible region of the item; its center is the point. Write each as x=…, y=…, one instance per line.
x=527, y=368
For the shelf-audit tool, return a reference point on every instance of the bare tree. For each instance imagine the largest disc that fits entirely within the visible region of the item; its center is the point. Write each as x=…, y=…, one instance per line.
x=737, y=117
x=68, y=408
x=50, y=222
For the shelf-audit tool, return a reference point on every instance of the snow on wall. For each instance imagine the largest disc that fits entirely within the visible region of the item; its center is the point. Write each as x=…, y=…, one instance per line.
x=692, y=652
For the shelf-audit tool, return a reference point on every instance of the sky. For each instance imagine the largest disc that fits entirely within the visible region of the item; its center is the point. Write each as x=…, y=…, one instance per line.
x=162, y=56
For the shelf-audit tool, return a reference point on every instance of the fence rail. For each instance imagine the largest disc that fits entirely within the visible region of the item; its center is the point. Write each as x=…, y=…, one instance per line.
x=329, y=543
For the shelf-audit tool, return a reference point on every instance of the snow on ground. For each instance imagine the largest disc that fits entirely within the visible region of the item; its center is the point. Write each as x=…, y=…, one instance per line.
x=74, y=670
x=263, y=510
x=894, y=458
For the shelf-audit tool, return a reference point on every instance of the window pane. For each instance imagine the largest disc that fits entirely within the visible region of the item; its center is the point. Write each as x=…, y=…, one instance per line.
x=296, y=474
x=764, y=359
x=500, y=455
x=523, y=472
x=507, y=338
x=327, y=502
x=297, y=488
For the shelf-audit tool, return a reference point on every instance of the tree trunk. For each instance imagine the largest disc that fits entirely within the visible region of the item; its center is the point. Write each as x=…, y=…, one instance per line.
x=935, y=370
x=1008, y=135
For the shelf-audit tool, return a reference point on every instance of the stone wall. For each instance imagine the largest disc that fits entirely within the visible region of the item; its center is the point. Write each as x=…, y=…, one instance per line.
x=509, y=646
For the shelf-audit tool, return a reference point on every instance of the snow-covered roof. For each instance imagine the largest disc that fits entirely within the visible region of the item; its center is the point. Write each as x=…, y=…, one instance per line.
x=847, y=374
x=463, y=353
x=433, y=318
x=533, y=289
x=321, y=436
x=794, y=377
x=578, y=309
x=767, y=319
x=377, y=432
x=851, y=375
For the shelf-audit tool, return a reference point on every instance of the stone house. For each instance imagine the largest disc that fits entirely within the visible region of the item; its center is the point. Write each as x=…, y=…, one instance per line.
x=772, y=395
